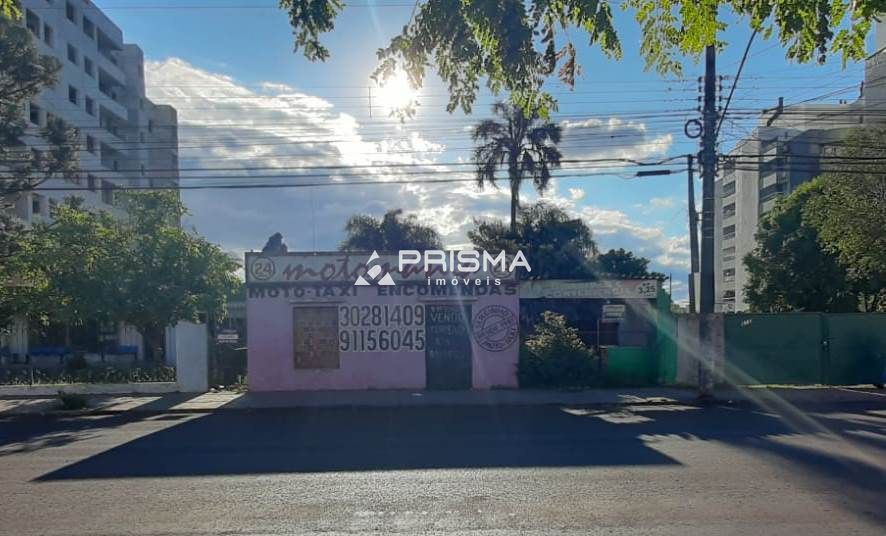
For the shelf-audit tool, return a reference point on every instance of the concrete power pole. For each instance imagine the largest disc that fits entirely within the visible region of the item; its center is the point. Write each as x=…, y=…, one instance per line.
x=709, y=169
x=693, y=232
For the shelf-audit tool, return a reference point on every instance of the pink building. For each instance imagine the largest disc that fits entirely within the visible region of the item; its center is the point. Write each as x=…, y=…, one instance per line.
x=342, y=321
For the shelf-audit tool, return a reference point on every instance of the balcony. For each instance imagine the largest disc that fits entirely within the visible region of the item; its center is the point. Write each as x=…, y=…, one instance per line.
x=107, y=53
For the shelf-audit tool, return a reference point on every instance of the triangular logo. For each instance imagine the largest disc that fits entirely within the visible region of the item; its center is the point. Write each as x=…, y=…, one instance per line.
x=372, y=274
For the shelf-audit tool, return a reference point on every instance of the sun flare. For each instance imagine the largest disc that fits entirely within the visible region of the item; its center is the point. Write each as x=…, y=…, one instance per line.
x=396, y=92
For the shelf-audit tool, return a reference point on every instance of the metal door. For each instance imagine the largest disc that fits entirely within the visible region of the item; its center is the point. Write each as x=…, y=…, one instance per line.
x=448, y=351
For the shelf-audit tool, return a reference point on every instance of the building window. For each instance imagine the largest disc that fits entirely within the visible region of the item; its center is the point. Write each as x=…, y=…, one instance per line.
x=107, y=192
x=73, y=95
x=53, y=207
x=142, y=168
x=71, y=12
x=48, y=35
x=90, y=105
x=32, y=21
x=36, y=205
x=729, y=254
x=729, y=275
x=729, y=210
x=90, y=144
x=728, y=189
x=151, y=126
x=72, y=54
x=728, y=232
x=91, y=182
x=34, y=114
x=88, y=28
x=141, y=136
x=88, y=66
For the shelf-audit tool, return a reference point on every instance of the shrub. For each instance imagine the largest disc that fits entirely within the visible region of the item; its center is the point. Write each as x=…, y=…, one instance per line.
x=71, y=402
x=555, y=356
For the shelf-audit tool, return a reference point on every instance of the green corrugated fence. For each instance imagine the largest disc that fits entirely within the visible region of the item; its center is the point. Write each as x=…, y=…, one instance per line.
x=805, y=348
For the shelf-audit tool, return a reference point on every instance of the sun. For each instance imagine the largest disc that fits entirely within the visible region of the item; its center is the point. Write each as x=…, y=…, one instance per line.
x=396, y=93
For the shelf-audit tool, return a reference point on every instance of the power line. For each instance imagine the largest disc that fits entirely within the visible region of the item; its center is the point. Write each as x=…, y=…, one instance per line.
x=315, y=184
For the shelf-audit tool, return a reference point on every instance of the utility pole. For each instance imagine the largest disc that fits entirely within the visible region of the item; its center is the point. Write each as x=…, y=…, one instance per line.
x=693, y=233
x=708, y=172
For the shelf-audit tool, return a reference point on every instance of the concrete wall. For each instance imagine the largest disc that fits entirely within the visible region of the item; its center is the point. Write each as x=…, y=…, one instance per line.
x=271, y=343
x=689, y=352
x=192, y=357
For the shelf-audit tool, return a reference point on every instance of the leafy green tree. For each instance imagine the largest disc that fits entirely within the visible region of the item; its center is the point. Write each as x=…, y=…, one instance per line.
x=789, y=270
x=10, y=9
x=526, y=145
x=623, y=263
x=555, y=244
x=850, y=213
x=390, y=233
x=515, y=45
x=145, y=270
x=24, y=73
x=61, y=272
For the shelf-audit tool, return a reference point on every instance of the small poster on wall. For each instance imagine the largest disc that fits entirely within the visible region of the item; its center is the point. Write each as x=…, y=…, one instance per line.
x=315, y=332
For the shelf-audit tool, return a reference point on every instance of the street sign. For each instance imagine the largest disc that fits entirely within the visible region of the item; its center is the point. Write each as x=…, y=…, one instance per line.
x=612, y=313
x=228, y=337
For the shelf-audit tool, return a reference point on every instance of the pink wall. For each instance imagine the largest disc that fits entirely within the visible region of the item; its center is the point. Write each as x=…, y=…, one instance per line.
x=270, y=342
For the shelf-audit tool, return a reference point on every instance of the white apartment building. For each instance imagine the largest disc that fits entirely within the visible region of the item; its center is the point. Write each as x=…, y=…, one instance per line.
x=127, y=140
x=779, y=155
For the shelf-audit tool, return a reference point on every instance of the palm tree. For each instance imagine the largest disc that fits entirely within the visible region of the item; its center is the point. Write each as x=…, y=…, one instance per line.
x=390, y=233
x=525, y=144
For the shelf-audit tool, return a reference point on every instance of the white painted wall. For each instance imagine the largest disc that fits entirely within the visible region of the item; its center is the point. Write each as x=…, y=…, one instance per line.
x=191, y=357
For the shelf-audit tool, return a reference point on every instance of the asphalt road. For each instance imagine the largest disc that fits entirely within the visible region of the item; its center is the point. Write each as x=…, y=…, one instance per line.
x=517, y=470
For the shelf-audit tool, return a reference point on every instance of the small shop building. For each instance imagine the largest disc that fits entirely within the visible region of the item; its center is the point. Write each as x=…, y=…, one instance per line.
x=343, y=320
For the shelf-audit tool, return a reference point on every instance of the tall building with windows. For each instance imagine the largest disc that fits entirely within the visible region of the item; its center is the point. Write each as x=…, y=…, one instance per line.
x=126, y=140
x=782, y=152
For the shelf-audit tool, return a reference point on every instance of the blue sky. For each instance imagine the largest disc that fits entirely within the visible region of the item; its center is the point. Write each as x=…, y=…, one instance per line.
x=236, y=81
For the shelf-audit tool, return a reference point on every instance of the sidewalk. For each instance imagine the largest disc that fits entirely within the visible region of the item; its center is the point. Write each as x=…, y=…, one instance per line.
x=229, y=401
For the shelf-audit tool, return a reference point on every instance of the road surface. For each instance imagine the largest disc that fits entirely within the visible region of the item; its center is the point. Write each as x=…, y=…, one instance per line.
x=662, y=470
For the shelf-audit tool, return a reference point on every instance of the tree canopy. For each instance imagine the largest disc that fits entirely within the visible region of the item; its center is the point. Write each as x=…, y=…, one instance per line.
x=144, y=270
x=514, y=46
x=555, y=244
x=789, y=270
x=525, y=144
x=850, y=213
x=622, y=263
x=23, y=74
x=392, y=232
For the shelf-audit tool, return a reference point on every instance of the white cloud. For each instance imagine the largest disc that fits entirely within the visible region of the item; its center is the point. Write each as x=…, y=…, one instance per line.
x=577, y=194
x=612, y=138
x=276, y=129
x=663, y=202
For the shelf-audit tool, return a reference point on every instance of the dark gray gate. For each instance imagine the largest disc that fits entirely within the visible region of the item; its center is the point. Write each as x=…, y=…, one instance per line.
x=448, y=354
